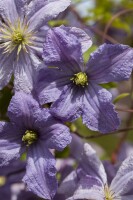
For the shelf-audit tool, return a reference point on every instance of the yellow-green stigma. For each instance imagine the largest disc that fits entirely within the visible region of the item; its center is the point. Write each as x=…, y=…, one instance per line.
x=15, y=36
x=2, y=181
x=109, y=195
x=29, y=137
x=80, y=79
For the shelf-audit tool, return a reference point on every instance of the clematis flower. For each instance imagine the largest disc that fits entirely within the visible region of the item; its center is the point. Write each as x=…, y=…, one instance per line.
x=33, y=130
x=22, y=34
x=73, y=87
x=89, y=181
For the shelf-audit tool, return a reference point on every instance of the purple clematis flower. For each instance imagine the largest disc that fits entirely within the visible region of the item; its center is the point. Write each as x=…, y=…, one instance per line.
x=34, y=130
x=89, y=181
x=73, y=87
x=22, y=34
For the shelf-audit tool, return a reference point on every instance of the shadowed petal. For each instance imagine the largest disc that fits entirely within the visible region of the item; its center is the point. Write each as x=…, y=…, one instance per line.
x=68, y=106
x=45, y=12
x=110, y=63
x=40, y=174
x=82, y=36
x=10, y=143
x=50, y=83
x=6, y=68
x=63, y=50
x=98, y=111
x=23, y=110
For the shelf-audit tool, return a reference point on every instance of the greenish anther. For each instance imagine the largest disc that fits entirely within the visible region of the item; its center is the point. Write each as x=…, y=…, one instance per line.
x=80, y=79
x=109, y=195
x=2, y=180
x=29, y=137
x=18, y=37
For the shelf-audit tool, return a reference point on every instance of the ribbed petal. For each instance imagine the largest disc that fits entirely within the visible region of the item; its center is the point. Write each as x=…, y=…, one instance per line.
x=10, y=143
x=62, y=49
x=110, y=63
x=68, y=106
x=127, y=197
x=53, y=132
x=40, y=174
x=82, y=36
x=91, y=164
x=45, y=12
x=50, y=83
x=6, y=68
x=98, y=111
x=89, y=189
x=69, y=185
x=25, y=70
x=122, y=184
x=23, y=110
x=8, y=10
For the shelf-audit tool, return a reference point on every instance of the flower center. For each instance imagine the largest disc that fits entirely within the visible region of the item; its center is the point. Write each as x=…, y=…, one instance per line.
x=15, y=36
x=30, y=137
x=80, y=79
x=109, y=195
x=2, y=180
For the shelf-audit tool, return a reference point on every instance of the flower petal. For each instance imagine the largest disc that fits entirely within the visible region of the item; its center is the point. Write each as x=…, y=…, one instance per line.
x=23, y=110
x=50, y=83
x=45, y=12
x=25, y=69
x=6, y=68
x=57, y=135
x=68, y=106
x=122, y=183
x=82, y=36
x=10, y=143
x=69, y=185
x=110, y=63
x=91, y=164
x=62, y=49
x=40, y=174
x=8, y=10
x=98, y=111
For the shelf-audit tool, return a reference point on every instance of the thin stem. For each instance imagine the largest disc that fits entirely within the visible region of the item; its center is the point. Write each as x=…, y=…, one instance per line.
x=94, y=29
x=103, y=135
x=122, y=12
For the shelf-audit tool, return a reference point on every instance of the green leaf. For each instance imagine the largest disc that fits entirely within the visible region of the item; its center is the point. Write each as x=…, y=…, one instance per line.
x=109, y=85
x=119, y=97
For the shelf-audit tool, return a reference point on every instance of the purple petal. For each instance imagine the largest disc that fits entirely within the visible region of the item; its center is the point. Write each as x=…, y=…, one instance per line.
x=10, y=143
x=50, y=83
x=82, y=36
x=68, y=106
x=25, y=69
x=58, y=136
x=8, y=10
x=23, y=110
x=6, y=68
x=98, y=111
x=110, y=63
x=62, y=49
x=42, y=12
x=40, y=174
x=69, y=185
x=91, y=164
x=89, y=188
x=122, y=184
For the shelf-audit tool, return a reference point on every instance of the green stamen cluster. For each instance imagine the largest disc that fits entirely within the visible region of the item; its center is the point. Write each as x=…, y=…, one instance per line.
x=15, y=36
x=80, y=79
x=2, y=181
x=29, y=137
